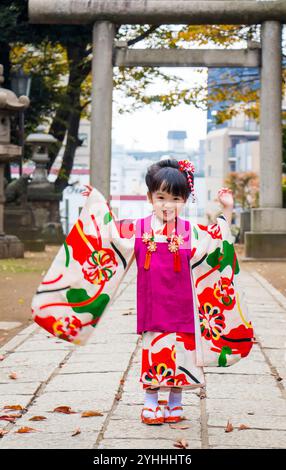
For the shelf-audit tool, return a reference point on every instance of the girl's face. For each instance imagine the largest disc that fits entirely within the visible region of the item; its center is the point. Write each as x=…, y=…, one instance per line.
x=165, y=205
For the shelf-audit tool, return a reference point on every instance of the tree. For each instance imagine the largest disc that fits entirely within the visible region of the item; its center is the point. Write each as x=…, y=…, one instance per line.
x=245, y=188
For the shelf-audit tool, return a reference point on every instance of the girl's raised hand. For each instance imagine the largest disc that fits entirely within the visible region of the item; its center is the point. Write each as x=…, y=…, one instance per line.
x=87, y=191
x=225, y=197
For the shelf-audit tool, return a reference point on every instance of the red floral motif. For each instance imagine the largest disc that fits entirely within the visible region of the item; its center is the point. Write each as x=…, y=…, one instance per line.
x=239, y=340
x=212, y=321
x=213, y=230
x=80, y=249
x=100, y=266
x=66, y=328
x=180, y=379
x=224, y=292
x=188, y=339
x=162, y=368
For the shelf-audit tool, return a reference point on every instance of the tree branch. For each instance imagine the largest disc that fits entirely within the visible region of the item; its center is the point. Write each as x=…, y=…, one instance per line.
x=144, y=35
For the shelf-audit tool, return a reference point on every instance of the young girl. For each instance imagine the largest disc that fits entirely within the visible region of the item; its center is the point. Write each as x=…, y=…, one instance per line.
x=189, y=308
x=164, y=293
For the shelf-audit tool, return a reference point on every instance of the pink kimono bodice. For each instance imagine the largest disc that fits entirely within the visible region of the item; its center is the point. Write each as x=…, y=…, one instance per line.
x=164, y=296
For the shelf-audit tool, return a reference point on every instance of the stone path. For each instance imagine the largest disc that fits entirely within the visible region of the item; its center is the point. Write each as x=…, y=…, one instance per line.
x=104, y=374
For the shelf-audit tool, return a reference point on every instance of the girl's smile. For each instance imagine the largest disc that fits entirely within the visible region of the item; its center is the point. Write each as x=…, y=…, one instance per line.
x=166, y=206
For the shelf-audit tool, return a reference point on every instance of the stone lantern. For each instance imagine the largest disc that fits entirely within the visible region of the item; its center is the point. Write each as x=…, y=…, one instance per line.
x=41, y=193
x=10, y=245
x=40, y=142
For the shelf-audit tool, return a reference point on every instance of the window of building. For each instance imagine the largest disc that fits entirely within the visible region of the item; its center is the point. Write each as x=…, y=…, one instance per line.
x=232, y=166
x=209, y=194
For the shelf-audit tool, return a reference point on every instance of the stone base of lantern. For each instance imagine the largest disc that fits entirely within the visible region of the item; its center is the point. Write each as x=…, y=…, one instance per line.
x=265, y=246
x=11, y=247
x=34, y=245
x=267, y=237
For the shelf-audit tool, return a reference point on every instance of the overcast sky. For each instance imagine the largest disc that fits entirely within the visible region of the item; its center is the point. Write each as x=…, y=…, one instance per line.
x=147, y=129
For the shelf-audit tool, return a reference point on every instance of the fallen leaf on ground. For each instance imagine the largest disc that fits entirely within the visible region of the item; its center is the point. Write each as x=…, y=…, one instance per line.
x=243, y=426
x=87, y=414
x=179, y=426
x=2, y=432
x=37, y=418
x=13, y=407
x=1, y=358
x=9, y=418
x=25, y=429
x=64, y=409
x=76, y=432
x=117, y=396
x=181, y=443
x=229, y=427
x=13, y=375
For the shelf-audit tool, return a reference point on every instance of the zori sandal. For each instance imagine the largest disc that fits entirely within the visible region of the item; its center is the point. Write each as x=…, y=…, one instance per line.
x=156, y=419
x=168, y=418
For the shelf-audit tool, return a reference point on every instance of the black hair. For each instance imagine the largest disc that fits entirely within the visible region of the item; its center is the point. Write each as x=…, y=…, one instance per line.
x=166, y=176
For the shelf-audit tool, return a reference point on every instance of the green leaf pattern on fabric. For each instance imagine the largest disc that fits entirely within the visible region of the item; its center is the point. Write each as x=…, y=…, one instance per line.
x=96, y=307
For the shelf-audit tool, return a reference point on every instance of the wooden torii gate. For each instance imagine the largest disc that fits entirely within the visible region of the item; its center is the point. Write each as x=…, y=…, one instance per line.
x=267, y=238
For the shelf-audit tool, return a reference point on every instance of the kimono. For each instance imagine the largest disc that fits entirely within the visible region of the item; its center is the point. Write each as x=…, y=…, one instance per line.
x=83, y=279
x=165, y=313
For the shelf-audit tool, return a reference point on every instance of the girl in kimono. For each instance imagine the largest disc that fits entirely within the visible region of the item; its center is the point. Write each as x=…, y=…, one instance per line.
x=190, y=308
x=165, y=314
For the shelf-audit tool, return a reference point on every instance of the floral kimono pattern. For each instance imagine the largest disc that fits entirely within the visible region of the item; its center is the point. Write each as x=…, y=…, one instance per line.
x=89, y=267
x=169, y=360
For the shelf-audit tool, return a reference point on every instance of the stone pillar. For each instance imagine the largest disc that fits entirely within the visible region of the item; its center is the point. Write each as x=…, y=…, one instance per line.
x=270, y=116
x=267, y=238
x=101, y=115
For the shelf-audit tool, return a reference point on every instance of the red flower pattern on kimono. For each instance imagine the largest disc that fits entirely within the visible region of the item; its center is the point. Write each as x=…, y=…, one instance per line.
x=224, y=292
x=181, y=379
x=213, y=230
x=100, y=266
x=212, y=320
x=66, y=328
x=168, y=359
x=188, y=339
x=82, y=243
x=238, y=340
x=162, y=368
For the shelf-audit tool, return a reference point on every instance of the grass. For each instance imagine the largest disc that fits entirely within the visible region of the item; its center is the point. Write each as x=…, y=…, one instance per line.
x=15, y=266
x=33, y=262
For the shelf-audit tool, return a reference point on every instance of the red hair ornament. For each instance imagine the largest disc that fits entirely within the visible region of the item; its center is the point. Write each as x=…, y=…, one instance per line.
x=189, y=168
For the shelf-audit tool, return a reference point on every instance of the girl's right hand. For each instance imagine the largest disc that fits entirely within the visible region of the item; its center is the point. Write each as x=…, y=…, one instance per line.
x=88, y=191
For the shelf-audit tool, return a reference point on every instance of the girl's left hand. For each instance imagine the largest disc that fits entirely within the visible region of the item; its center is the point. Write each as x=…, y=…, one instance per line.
x=225, y=197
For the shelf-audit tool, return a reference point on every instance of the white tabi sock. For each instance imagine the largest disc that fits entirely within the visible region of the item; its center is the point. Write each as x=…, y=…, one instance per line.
x=175, y=399
x=151, y=401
